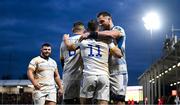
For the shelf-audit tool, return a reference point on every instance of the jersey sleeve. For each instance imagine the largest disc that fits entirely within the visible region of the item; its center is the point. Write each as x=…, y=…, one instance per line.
x=111, y=46
x=77, y=44
x=55, y=65
x=119, y=29
x=33, y=64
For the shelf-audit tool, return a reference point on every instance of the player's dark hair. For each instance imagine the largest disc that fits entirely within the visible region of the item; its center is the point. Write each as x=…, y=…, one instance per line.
x=46, y=45
x=104, y=13
x=92, y=25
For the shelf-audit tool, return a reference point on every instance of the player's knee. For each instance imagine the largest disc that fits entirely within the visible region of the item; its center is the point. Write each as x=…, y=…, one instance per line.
x=121, y=98
x=117, y=98
x=68, y=101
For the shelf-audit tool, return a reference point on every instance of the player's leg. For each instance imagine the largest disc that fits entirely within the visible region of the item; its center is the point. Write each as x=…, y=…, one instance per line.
x=51, y=97
x=87, y=89
x=72, y=92
x=76, y=100
x=71, y=87
x=118, y=99
x=50, y=103
x=85, y=101
x=71, y=101
x=102, y=102
x=67, y=96
x=118, y=88
x=76, y=91
x=38, y=97
x=102, y=90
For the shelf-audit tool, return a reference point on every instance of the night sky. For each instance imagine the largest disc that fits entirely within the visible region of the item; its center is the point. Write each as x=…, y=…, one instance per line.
x=26, y=24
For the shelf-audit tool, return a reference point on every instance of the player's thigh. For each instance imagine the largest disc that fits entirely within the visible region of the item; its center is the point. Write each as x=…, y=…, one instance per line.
x=118, y=83
x=71, y=89
x=84, y=101
x=88, y=86
x=102, y=88
x=51, y=97
x=38, y=97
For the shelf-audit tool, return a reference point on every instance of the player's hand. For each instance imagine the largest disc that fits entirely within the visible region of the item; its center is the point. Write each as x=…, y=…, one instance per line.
x=84, y=36
x=66, y=37
x=37, y=86
x=60, y=92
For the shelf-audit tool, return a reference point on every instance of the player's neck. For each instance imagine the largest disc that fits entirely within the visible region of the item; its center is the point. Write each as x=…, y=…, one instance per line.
x=44, y=57
x=111, y=25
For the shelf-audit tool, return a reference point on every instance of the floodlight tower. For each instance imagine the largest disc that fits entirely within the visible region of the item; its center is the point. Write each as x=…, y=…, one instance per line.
x=151, y=22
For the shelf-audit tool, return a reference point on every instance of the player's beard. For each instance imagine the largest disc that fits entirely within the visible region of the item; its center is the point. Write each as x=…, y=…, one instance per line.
x=46, y=55
x=106, y=27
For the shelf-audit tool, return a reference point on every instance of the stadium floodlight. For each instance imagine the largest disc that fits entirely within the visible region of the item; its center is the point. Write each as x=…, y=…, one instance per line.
x=178, y=64
x=166, y=71
x=174, y=66
x=157, y=76
x=170, y=69
x=151, y=21
x=171, y=84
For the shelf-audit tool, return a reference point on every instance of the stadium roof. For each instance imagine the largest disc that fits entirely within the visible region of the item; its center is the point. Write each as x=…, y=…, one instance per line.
x=167, y=63
x=15, y=82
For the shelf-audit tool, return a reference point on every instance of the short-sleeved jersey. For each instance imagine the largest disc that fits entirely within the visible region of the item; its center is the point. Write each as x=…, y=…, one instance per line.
x=72, y=59
x=44, y=70
x=117, y=65
x=95, y=55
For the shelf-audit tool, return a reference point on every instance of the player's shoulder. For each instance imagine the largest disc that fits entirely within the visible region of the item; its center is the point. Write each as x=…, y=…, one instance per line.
x=37, y=59
x=75, y=37
x=87, y=41
x=52, y=60
x=118, y=28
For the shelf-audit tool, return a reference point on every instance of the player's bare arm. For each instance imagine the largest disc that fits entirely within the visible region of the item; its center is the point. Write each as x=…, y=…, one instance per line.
x=58, y=82
x=110, y=33
x=115, y=51
x=30, y=74
x=102, y=34
x=84, y=36
x=69, y=45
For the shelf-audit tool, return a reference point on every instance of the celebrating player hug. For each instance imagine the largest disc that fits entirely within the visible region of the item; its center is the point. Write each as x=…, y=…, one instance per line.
x=98, y=53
